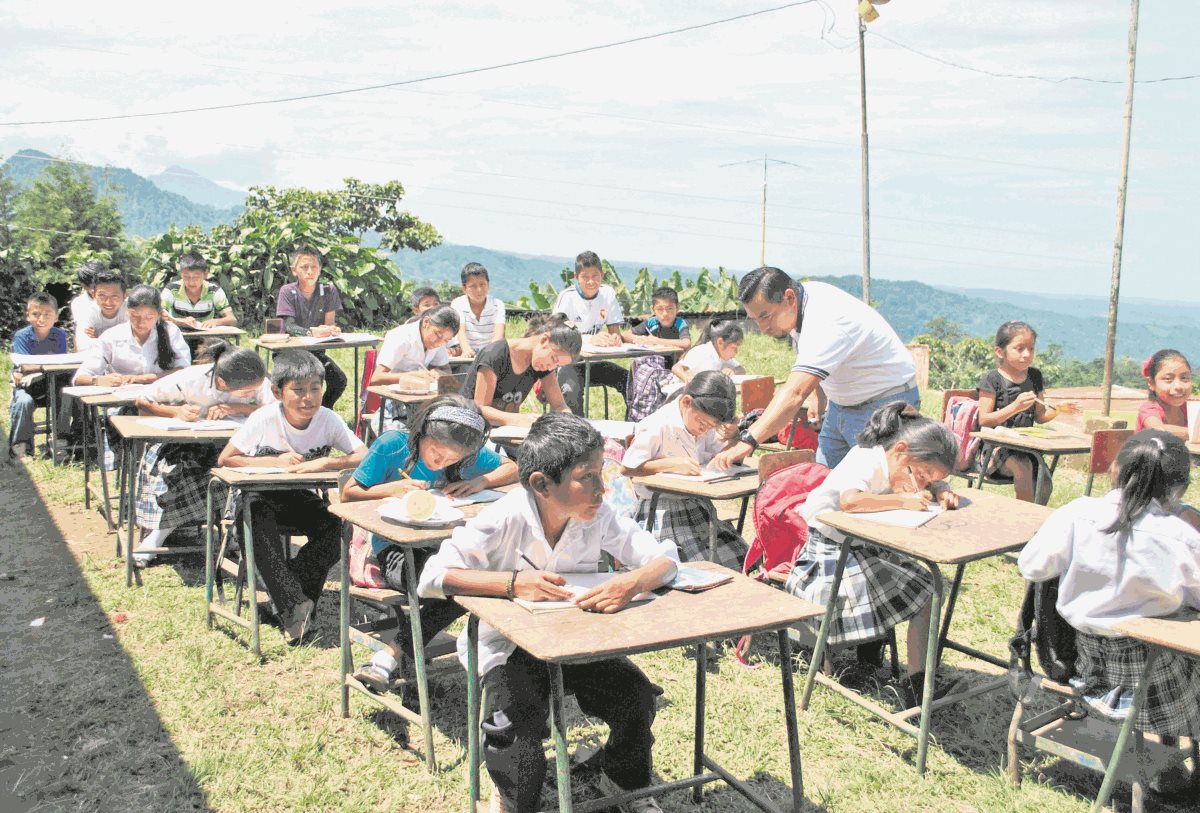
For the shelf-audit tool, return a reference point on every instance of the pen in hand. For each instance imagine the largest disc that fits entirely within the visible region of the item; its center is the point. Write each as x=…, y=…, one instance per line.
x=528, y=561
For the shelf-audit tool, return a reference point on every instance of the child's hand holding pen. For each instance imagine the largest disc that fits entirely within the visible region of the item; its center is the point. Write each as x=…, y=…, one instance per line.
x=540, y=585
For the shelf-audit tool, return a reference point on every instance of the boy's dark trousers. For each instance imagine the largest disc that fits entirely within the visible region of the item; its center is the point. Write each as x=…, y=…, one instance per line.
x=289, y=583
x=604, y=374
x=518, y=694
x=335, y=381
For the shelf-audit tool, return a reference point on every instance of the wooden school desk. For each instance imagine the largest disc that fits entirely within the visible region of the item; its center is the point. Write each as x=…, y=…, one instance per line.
x=95, y=418
x=52, y=373
x=1055, y=445
x=674, y=619
x=365, y=515
x=357, y=341
x=591, y=354
x=1194, y=451
x=251, y=485
x=136, y=437
x=230, y=332
x=740, y=487
x=987, y=524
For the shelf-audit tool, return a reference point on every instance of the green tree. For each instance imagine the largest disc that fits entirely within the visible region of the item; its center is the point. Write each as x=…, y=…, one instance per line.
x=16, y=267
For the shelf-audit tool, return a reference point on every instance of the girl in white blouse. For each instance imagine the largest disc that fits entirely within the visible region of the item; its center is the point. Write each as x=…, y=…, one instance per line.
x=140, y=351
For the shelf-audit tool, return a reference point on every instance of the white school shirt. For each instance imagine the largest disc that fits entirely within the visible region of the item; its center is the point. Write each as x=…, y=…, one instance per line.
x=1104, y=579
x=267, y=429
x=497, y=537
x=864, y=468
x=192, y=385
x=86, y=313
x=590, y=315
x=663, y=434
x=479, y=330
x=849, y=346
x=701, y=358
x=118, y=352
x=403, y=351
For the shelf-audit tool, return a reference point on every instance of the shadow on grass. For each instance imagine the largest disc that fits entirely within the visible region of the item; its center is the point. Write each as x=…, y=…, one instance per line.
x=77, y=728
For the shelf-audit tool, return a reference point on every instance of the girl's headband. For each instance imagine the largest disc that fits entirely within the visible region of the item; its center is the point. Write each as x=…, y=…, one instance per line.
x=455, y=414
x=1146, y=367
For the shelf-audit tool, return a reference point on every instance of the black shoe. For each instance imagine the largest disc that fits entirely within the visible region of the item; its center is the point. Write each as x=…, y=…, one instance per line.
x=871, y=653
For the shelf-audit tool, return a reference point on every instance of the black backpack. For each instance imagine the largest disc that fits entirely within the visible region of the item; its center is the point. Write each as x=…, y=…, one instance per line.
x=1041, y=628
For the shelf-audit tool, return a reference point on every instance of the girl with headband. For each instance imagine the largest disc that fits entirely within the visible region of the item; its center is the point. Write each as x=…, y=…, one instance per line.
x=444, y=448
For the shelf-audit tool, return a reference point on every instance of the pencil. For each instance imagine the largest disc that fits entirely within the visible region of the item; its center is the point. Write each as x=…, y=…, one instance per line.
x=528, y=561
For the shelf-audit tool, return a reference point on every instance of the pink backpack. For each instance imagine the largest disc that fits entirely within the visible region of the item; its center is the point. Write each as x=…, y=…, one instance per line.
x=364, y=570
x=780, y=533
x=962, y=418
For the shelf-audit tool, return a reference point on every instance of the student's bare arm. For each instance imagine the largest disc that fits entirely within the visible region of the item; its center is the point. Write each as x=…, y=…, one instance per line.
x=531, y=585
x=616, y=593
x=553, y=393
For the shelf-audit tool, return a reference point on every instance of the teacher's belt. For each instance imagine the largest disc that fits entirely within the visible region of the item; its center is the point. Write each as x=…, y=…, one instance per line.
x=905, y=387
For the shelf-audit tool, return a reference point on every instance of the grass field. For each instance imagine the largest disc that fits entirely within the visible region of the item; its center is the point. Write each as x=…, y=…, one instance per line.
x=178, y=717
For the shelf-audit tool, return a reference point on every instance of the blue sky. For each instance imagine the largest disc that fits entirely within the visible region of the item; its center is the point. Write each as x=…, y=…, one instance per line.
x=977, y=181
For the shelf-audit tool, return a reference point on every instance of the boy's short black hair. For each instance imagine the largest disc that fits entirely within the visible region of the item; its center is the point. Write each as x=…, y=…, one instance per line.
x=109, y=277
x=302, y=252
x=420, y=293
x=42, y=298
x=191, y=261
x=87, y=272
x=556, y=442
x=588, y=259
x=665, y=294
x=295, y=365
x=474, y=270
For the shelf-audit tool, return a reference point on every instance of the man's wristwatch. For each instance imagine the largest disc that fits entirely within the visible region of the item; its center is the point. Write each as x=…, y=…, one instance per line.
x=747, y=438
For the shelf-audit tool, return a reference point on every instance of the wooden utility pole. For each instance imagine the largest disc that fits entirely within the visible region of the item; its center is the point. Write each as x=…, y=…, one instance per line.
x=766, y=161
x=1119, y=239
x=866, y=184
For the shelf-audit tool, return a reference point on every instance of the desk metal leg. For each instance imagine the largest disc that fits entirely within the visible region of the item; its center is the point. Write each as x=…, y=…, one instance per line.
x=558, y=725
x=789, y=715
x=344, y=620
x=209, y=570
x=52, y=417
x=414, y=620
x=1040, y=478
x=251, y=572
x=818, y=655
x=99, y=422
x=712, y=530
x=87, y=469
x=587, y=385
x=1139, y=697
x=357, y=383
x=650, y=511
x=950, y=602
x=698, y=740
x=931, y=661
x=136, y=450
x=473, y=711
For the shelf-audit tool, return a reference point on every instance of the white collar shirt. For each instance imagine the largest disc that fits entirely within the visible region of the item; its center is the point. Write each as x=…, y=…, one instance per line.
x=590, y=315
x=120, y=353
x=663, y=434
x=404, y=351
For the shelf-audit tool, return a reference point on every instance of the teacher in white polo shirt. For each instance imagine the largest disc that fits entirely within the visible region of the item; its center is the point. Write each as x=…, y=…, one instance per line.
x=842, y=344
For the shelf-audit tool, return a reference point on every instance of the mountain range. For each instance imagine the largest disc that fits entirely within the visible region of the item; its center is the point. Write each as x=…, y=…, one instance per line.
x=177, y=195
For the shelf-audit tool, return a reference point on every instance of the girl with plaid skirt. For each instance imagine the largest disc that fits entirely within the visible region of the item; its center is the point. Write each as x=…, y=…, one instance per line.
x=1134, y=553
x=900, y=462
x=173, y=478
x=682, y=437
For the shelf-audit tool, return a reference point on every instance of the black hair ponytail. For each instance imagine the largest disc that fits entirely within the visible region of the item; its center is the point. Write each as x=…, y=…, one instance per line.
x=143, y=296
x=927, y=439
x=1154, y=465
x=727, y=330
x=237, y=366
x=563, y=333
x=713, y=394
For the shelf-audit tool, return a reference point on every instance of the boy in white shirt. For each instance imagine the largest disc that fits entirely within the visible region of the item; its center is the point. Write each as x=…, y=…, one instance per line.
x=105, y=308
x=597, y=314
x=298, y=434
x=557, y=523
x=481, y=315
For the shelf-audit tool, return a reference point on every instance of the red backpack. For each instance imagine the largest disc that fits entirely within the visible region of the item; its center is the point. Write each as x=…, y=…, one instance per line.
x=962, y=418
x=780, y=533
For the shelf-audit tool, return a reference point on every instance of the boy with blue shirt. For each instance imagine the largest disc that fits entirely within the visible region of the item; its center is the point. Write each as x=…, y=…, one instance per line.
x=41, y=337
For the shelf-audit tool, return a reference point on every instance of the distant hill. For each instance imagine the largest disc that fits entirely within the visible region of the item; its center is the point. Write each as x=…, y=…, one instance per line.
x=146, y=210
x=1134, y=309
x=197, y=188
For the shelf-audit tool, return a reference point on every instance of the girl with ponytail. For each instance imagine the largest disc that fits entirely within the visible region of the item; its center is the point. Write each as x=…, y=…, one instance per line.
x=716, y=351
x=900, y=462
x=173, y=478
x=139, y=351
x=1133, y=553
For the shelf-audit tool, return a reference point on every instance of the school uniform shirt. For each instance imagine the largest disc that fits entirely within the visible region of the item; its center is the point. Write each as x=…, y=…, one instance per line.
x=663, y=434
x=403, y=351
x=120, y=353
x=500, y=533
x=864, y=468
x=388, y=456
x=652, y=327
x=212, y=302
x=481, y=328
x=701, y=358
x=590, y=315
x=90, y=316
x=1105, y=579
x=1150, y=408
x=193, y=385
x=25, y=342
x=849, y=346
x=268, y=432
x=307, y=313
x=512, y=388
x=81, y=306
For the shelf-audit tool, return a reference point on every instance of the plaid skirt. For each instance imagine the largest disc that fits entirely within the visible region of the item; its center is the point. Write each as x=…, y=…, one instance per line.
x=685, y=521
x=172, y=485
x=879, y=588
x=1108, y=671
x=644, y=391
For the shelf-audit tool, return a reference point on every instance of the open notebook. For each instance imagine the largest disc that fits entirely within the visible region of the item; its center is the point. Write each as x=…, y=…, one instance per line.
x=901, y=518
x=707, y=474
x=578, y=584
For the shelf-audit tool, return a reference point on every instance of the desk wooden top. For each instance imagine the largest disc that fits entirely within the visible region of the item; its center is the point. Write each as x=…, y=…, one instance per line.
x=591, y=352
x=69, y=367
x=199, y=333
x=365, y=515
x=275, y=480
x=1180, y=633
x=673, y=619
x=298, y=343
x=130, y=427
x=1061, y=442
x=386, y=392
x=1194, y=449
x=730, y=489
x=989, y=525
x=107, y=399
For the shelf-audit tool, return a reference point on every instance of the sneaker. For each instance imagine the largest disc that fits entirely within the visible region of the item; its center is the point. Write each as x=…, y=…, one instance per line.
x=143, y=560
x=374, y=677
x=646, y=804
x=19, y=450
x=295, y=623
